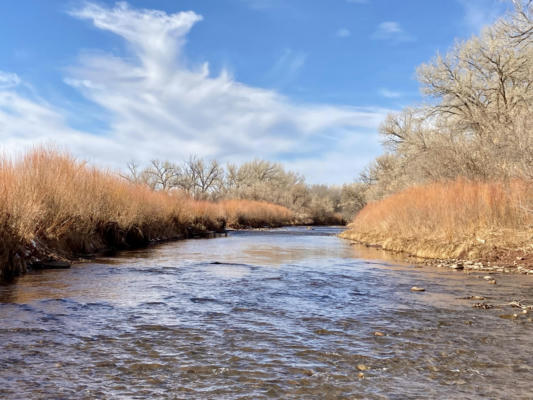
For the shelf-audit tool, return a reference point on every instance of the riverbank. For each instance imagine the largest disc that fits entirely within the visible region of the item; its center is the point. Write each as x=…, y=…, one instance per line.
x=463, y=225
x=54, y=207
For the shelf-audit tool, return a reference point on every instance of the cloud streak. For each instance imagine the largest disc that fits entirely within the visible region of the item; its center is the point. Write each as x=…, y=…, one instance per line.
x=390, y=94
x=343, y=33
x=391, y=31
x=8, y=80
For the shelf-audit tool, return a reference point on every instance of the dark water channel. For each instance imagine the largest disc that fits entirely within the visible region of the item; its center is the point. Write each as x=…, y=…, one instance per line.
x=289, y=313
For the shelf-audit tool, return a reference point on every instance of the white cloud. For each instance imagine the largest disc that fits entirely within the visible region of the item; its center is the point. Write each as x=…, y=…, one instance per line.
x=391, y=31
x=8, y=80
x=389, y=94
x=160, y=107
x=343, y=33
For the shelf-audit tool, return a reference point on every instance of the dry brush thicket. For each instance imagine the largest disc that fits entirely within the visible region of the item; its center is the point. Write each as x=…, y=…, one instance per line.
x=52, y=205
x=469, y=148
x=257, y=180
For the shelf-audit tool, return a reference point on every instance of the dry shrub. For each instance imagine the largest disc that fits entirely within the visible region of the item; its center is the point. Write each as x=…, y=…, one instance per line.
x=255, y=214
x=53, y=204
x=450, y=219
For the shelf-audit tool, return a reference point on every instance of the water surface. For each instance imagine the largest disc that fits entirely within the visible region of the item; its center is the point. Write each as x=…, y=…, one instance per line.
x=287, y=313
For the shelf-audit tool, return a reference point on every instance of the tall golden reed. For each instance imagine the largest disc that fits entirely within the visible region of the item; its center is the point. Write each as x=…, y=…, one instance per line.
x=51, y=203
x=450, y=219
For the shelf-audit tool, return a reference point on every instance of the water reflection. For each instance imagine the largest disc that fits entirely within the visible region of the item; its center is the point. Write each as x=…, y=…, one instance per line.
x=286, y=313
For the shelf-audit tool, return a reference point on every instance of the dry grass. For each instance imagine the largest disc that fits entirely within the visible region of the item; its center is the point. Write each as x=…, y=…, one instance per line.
x=255, y=214
x=53, y=204
x=460, y=219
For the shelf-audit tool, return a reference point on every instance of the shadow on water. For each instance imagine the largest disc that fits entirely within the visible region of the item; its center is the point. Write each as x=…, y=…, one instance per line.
x=286, y=313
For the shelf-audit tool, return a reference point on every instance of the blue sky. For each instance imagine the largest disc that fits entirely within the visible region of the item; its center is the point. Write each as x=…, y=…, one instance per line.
x=304, y=82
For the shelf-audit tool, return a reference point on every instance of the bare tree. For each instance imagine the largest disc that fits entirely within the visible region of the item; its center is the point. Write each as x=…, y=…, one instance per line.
x=162, y=175
x=202, y=179
x=133, y=172
x=520, y=27
x=477, y=121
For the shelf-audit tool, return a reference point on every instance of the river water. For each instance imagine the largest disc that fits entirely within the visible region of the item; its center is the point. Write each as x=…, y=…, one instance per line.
x=286, y=313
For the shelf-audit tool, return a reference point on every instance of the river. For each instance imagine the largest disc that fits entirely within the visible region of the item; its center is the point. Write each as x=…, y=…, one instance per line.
x=284, y=313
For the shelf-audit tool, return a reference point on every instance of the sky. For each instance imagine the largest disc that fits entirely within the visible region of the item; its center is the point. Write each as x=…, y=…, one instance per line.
x=301, y=82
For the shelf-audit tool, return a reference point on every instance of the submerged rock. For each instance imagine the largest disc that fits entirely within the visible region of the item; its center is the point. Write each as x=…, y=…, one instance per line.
x=417, y=289
x=473, y=298
x=484, y=306
x=509, y=316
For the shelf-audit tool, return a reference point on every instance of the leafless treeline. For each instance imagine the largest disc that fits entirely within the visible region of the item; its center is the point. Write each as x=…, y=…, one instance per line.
x=255, y=180
x=477, y=121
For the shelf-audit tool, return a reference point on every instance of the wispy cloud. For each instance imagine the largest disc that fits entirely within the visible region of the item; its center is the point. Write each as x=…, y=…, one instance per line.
x=343, y=33
x=480, y=13
x=8, y=80
x=390, y=94
x=159, y=106
x=391, y=31
x=287, y=67
x=262, y=4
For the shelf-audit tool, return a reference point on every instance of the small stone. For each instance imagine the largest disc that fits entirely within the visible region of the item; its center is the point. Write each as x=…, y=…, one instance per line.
x=360, y=375
x=378, y=333
x=492, y=281
x=417, y=289
x=488, y=277
x=457, y=266
x=362, y=367
x=509, y=316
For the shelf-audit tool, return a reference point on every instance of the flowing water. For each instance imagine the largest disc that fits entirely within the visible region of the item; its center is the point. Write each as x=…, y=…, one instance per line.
x=287, y=313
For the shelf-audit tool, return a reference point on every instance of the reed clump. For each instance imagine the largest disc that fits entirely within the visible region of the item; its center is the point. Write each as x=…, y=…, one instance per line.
x=55, y=206
x=456, y=219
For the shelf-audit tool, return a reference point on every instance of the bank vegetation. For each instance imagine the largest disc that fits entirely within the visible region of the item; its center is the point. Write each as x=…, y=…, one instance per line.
x=256, y=180
x=53, y=206
x=457, y=174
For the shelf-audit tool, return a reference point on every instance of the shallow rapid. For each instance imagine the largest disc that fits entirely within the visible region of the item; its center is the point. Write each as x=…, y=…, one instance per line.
x=285, y=313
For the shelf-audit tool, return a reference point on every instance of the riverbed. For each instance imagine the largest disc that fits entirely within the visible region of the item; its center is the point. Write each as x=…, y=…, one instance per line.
x=284, y=313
